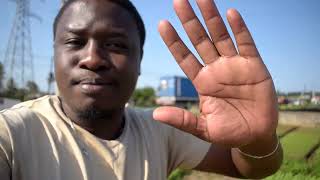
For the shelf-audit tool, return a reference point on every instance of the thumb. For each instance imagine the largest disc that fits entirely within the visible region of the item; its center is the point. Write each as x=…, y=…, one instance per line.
x=181, y=119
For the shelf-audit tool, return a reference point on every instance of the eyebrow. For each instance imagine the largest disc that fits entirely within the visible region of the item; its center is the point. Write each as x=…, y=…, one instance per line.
x=109, y=31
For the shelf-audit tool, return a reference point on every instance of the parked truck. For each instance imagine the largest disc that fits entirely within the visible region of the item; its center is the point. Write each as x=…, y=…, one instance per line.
x=176, y=90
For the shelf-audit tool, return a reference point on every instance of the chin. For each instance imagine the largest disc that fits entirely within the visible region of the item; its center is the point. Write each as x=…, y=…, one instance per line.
x=93, y=113
x=101, y=103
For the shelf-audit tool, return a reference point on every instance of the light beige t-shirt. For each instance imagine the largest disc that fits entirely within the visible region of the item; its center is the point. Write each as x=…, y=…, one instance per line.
x=37, y=142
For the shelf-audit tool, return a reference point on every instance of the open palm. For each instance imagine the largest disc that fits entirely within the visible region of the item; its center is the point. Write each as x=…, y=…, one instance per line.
x=236, y=91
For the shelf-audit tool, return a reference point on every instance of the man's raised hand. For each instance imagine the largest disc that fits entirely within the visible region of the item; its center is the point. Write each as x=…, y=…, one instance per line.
x=237, y=97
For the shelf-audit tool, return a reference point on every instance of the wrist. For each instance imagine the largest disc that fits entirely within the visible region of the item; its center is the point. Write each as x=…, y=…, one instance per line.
x=258, y=159
x=261, y=148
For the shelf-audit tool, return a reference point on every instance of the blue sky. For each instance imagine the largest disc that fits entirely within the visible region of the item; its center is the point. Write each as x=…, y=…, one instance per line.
x=286, y=33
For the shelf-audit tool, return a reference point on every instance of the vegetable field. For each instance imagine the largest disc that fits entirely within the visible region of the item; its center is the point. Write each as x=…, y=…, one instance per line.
x=301, y=153
x=301, y=157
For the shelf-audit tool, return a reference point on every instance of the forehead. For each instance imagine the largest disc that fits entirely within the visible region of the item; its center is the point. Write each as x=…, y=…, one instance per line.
x=86, y=14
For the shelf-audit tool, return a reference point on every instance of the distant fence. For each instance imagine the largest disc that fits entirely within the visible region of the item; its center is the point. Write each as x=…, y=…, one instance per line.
x=299, y=118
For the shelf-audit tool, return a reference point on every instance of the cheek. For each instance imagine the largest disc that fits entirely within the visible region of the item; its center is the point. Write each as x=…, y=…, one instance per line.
x=66, y=60
x=125, y=65
x=128, y=72
x=62, y=71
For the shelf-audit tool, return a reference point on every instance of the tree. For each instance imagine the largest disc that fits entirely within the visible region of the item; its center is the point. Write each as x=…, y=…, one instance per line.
x=50, y=80
x=11, y=90
x=32, y=88
x=29, y=92
x=1, y=76
x=144, y=97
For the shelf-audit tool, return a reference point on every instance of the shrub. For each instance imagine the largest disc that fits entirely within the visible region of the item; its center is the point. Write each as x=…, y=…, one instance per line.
x=178, y=174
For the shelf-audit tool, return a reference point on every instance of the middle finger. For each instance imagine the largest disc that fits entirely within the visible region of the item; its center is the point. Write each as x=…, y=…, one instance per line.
x=195, y=31
x=217, y=28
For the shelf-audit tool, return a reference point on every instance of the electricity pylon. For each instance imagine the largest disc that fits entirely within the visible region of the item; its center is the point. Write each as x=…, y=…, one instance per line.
x=18, y=59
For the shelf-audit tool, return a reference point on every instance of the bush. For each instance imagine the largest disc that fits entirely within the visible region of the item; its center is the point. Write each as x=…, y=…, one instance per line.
x=305, y=107
x=178, y=174
x=144, y=97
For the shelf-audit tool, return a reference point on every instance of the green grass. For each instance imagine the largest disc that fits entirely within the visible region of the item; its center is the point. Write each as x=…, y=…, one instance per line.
x=290, y=176
x=299, y=142
x=295, y=145
x=315, y=161
x=316, y=157
x=178, y=174
x=281, y=129
x=297, y=169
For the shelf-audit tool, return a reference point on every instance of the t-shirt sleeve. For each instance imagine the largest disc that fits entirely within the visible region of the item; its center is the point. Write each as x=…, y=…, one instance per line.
x=185, y=150
x=178, y=149
x=5, y=153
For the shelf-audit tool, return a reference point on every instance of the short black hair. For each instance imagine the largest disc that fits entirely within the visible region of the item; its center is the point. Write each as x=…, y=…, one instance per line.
x=126, y=4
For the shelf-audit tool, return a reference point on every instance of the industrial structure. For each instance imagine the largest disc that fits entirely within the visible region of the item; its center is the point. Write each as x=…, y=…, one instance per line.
x=18, y=58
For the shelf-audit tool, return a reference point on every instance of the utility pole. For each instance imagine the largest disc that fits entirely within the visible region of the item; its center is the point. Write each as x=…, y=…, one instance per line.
x=50, y=78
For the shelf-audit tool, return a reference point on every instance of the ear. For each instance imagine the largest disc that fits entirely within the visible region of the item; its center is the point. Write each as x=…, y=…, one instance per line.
x=139, y=63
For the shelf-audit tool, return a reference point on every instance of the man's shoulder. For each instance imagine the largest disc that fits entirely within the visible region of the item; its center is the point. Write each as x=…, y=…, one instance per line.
x=25, y=110
x=31, y=104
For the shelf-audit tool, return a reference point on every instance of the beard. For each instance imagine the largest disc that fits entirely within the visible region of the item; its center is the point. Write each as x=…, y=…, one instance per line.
x=90, y=114
x=93, y=114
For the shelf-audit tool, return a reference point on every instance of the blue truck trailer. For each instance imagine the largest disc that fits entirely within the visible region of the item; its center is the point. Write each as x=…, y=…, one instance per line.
x=176, y=90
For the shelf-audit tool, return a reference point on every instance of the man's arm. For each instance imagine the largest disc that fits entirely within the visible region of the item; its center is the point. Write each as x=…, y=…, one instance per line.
x=5, y=146
x=4, y=168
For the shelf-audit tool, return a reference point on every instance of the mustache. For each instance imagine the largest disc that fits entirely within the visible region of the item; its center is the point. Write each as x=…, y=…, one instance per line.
x=89, y=78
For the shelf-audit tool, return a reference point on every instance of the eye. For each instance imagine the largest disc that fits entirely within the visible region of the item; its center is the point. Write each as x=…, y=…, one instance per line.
x=115, y=46
x=75, y=42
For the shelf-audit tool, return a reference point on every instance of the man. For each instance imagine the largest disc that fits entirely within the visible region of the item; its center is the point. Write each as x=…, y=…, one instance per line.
x=87, y=133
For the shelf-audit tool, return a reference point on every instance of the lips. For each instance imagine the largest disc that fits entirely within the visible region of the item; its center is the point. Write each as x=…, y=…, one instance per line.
x=93, y=86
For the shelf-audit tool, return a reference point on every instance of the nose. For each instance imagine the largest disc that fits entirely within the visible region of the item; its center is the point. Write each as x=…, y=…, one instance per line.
x=93, y=58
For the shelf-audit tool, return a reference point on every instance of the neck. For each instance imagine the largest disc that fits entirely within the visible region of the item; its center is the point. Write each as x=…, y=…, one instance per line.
x=108, y=127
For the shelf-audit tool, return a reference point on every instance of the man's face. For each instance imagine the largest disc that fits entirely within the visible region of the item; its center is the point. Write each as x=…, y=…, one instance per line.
x=97, y=55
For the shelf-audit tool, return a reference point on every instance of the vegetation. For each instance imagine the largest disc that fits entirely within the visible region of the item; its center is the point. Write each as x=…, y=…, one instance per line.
x=296, y=94
x=292, y=169
x=13, y=91
x=178, y=174
x=50, y=81
x=281, y=129
x=296, y=145
x=305, y=107
x=291, y=176
x=1, y=75
x=144, y=97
